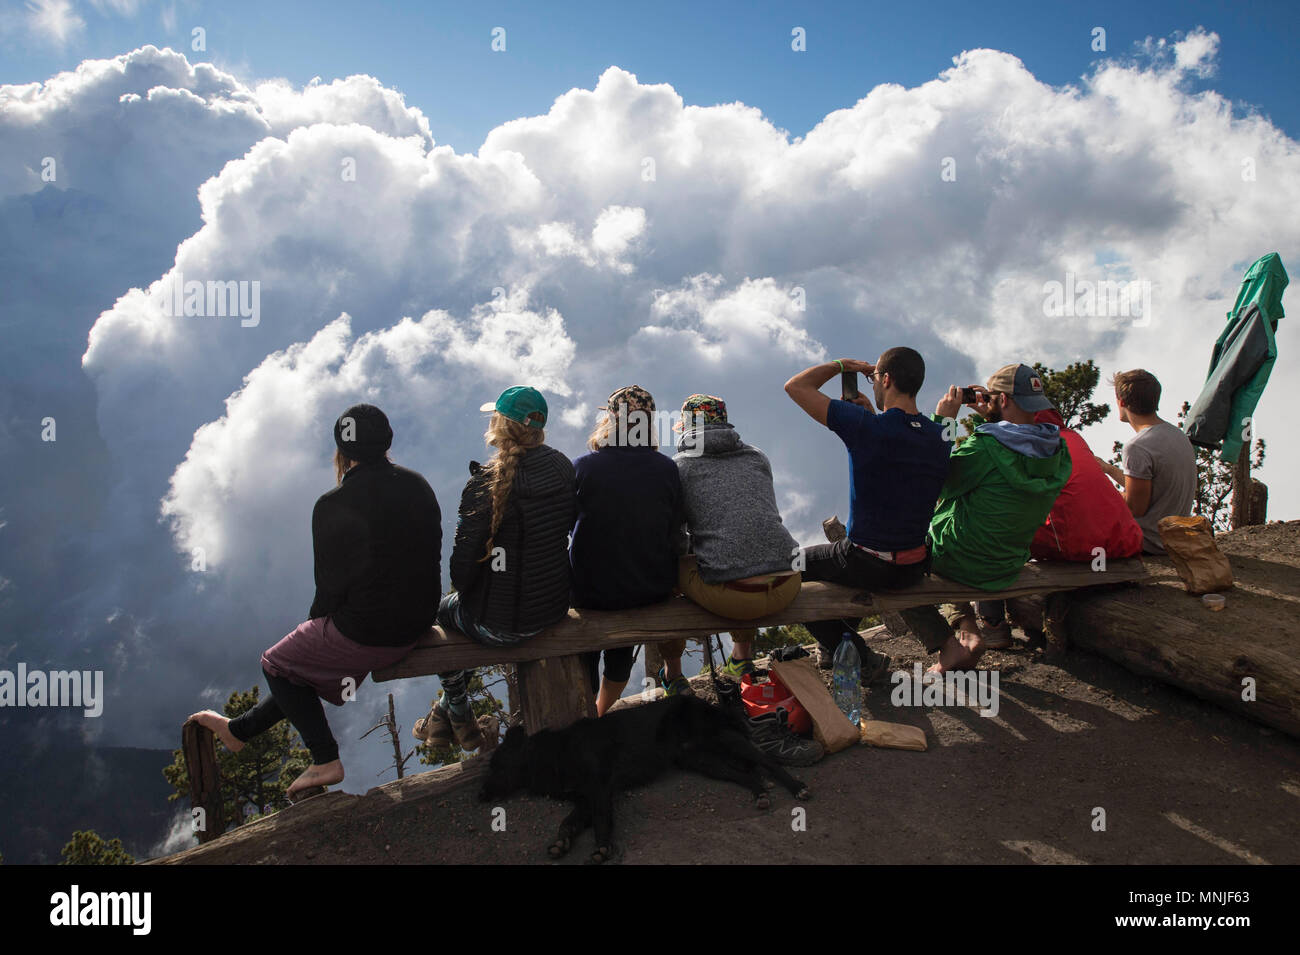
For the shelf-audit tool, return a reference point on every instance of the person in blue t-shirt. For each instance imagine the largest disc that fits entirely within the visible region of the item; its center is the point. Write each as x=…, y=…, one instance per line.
x=898, y=460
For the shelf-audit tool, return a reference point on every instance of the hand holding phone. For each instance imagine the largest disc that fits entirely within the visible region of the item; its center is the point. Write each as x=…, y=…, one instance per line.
x=849, y=386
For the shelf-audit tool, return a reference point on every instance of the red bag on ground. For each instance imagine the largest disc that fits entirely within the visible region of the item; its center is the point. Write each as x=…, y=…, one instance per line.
x=1089, y=512
x=760, y=698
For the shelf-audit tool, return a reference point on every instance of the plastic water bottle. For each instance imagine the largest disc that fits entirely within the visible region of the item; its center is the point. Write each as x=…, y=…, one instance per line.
x=846, y=679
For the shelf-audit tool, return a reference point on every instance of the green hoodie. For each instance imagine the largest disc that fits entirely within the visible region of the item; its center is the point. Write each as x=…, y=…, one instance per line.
x=1002, y=482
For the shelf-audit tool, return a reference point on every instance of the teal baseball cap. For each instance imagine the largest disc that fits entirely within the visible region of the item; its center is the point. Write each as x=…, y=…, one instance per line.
x=518, y=403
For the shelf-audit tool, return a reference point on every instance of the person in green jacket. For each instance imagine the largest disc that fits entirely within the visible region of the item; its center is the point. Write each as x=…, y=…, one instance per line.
x=1002, y=482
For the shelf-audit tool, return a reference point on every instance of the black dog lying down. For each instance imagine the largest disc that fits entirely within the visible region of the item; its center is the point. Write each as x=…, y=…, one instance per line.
x=586, y=763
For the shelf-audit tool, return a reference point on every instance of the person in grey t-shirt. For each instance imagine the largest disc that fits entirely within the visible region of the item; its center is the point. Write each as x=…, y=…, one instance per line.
x=1158, y=473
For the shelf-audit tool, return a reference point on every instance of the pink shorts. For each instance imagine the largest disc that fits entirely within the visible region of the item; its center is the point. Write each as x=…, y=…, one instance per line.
x=317, y=655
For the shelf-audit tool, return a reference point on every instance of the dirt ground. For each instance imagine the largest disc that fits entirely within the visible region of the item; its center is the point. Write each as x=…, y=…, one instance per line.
x=1179, y=780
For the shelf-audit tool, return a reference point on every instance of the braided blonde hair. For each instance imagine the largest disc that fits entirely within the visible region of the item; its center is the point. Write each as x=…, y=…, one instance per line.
x=511, y=439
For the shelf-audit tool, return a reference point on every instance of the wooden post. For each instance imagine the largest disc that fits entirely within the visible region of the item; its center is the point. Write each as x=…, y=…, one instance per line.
x=895, y=624
x=554, y=693
x=1241, y=488
x=1258, y=502
x=653, y=661
x=199, y=748
x=512, y=688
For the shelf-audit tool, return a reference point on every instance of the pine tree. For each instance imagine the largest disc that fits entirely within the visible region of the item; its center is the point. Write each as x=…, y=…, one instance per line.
x=87, y=848
x=1070, y=391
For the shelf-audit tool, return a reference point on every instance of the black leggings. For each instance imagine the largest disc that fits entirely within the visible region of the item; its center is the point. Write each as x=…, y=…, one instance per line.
x=300, y=706
x=618, y=665
x=842, y=563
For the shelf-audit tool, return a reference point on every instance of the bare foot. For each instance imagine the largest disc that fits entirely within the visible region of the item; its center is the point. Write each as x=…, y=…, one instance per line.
x=210, y=719
x=969, y=635
x=958, y=654
x=326, y=774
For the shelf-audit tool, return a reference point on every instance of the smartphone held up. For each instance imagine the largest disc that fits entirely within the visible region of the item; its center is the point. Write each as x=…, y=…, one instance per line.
x=849, y=386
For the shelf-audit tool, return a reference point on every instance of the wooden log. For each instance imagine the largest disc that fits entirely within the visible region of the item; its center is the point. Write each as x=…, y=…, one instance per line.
x=1056, y=623
x=678, y=617
x=554, y=693
x=286, y=830
x=1163, y=633
x=199, y=748
x=1041, y=617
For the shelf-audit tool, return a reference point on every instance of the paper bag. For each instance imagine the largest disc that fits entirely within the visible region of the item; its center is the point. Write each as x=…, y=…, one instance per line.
x=893, y=735
x=831, y=728
x=1189, y=542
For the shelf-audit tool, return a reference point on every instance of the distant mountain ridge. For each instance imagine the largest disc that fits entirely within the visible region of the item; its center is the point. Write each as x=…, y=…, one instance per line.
x=48, y=793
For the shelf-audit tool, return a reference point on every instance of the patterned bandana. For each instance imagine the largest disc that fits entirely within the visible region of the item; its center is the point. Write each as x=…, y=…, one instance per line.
x=634, y=397
x=701, y=410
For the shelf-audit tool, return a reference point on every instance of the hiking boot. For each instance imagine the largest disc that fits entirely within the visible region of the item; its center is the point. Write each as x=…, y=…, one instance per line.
x=734, y=669
x=677, y=686
x=995, y=636
x=771, y=734
x=440, y=728
x=467, y=732
x=435, y=727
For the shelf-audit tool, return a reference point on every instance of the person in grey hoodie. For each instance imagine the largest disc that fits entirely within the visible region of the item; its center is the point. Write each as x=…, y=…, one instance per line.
x=742, y=557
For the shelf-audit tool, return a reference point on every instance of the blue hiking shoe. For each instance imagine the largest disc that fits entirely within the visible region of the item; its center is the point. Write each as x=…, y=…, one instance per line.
x=677, y=686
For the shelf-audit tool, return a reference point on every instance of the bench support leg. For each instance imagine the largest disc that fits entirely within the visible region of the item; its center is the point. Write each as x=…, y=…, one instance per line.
x=653, y=661
x=554, y=693
x=199, y=747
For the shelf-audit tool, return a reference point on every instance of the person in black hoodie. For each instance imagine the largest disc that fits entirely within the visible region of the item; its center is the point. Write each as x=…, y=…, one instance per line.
x=510, y=562
x=630, y=513
x=377, y=540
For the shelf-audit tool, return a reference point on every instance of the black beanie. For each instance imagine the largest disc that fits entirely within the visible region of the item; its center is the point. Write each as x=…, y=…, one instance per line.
x=363, y=434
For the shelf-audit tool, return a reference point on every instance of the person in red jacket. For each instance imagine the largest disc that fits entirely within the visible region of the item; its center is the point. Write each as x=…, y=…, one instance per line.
x=1089, y=513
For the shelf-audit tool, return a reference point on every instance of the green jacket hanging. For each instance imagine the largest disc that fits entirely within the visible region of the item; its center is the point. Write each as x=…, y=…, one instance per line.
x=1242, y=361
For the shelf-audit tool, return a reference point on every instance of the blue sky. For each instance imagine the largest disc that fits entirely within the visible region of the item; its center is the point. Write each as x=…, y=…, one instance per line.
x=439, y=54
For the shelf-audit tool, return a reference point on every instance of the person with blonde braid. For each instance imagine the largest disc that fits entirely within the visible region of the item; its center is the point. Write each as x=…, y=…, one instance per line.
x=510, y=561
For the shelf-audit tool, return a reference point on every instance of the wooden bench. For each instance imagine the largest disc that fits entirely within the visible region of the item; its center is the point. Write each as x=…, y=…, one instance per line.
x=553, y=686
